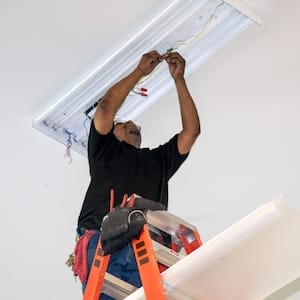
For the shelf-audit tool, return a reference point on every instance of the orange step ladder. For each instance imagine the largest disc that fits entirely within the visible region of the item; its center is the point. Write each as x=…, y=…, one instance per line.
x=150, y=257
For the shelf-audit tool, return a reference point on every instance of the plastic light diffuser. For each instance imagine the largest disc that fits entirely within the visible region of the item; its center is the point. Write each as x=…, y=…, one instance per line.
x=196, y=29
x=250, y=260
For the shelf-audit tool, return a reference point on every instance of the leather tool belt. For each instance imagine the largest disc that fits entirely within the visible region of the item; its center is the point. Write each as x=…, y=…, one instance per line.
x=124, y=223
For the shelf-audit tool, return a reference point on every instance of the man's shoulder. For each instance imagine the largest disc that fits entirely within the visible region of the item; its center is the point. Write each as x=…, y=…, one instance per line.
x=172, y=142
x=98, y=142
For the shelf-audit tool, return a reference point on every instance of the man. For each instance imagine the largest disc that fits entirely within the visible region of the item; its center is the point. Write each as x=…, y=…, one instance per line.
x=117, y=162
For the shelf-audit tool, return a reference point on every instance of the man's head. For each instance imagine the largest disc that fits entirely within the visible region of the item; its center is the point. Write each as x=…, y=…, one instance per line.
x=128, y=132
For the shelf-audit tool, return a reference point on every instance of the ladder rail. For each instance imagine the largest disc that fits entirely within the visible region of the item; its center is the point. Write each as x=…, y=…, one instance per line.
x=97, y=274
x=148, y=267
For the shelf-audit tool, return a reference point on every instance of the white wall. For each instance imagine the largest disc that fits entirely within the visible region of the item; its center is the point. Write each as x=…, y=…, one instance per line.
x=248, y=100
x=248, y=152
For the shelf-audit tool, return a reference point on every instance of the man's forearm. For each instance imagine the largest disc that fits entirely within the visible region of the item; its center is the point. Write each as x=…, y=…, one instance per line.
x=189, y=114
x=116, y=95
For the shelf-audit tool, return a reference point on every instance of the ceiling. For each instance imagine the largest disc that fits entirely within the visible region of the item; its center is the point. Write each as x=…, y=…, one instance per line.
x=247, y=96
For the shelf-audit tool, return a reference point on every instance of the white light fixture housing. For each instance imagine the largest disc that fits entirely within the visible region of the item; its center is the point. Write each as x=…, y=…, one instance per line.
x=196, y=29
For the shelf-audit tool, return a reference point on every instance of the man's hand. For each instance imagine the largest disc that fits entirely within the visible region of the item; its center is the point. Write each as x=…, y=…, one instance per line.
x=149, y=61
x=176, y=64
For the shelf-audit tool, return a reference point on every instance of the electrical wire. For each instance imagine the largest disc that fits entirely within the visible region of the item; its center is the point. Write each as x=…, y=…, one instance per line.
x=186, y=41
x=68, y=146
x=68, y=141
x=84, y=125
x=192, y=39
x=140, y=91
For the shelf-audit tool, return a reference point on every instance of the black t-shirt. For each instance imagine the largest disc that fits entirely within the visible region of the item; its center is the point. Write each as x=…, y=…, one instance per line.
x=128, y=170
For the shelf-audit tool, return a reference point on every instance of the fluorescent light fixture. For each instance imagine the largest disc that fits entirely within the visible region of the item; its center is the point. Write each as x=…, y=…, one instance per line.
x=196, y=29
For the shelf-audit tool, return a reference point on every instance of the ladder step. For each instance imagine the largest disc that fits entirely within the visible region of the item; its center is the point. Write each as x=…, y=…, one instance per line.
x=168, y=222
x=116, y=287
x=165, y=255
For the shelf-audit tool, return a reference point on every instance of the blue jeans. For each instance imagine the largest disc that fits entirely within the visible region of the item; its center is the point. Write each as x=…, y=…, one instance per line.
x=122, y=264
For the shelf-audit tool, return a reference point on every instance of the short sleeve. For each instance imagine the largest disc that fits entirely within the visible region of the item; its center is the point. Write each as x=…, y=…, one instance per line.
x=170, y=156
x=97, y=141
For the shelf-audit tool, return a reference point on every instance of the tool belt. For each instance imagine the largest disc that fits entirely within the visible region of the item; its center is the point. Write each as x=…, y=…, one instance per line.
x=124, y=223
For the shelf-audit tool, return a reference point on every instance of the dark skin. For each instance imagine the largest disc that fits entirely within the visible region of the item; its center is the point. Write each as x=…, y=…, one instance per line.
x=128, y=132
x=115, y=96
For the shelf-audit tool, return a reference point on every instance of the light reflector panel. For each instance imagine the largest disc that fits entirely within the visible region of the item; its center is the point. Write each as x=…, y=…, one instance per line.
x=196, y=29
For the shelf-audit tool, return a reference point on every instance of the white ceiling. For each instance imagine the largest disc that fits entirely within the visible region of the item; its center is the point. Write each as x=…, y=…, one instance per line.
x=248, y=101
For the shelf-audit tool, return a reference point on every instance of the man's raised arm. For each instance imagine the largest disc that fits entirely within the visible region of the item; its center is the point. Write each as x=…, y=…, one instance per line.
x=115, y=96
x=189, y=115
